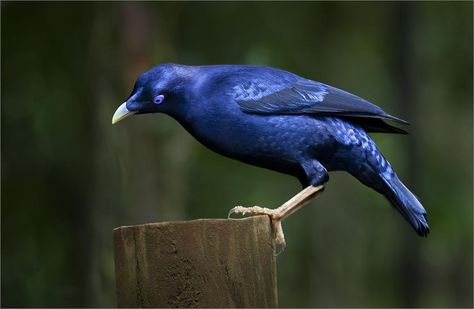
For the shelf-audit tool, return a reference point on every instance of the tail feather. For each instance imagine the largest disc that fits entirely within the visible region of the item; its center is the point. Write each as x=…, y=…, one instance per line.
x=408, y=205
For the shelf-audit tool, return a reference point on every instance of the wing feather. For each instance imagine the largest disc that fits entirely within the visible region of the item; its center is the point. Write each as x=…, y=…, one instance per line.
x=305, y=96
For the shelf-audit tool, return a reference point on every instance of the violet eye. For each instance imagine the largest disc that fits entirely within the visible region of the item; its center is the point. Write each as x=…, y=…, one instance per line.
x=158, y=99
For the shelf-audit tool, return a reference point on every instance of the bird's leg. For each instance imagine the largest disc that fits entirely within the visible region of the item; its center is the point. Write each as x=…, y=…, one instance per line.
x=278, y=214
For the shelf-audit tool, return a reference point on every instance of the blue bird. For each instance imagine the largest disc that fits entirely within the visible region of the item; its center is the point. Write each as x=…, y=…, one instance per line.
x=277, y=120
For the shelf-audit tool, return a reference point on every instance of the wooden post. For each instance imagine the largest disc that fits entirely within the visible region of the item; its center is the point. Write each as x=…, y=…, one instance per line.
x=200, y=263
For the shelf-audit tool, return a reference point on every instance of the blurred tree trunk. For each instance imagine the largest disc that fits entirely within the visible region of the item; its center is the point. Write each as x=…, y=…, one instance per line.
x=410, y=252
x=155, y=168
x=106, y=206
x=142, y=169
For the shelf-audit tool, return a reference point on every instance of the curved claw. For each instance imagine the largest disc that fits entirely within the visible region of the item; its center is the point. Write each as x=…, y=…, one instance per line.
x=232, y=211
x=282, y=248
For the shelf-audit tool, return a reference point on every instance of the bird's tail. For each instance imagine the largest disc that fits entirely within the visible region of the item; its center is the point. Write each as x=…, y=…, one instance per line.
x=407, y=204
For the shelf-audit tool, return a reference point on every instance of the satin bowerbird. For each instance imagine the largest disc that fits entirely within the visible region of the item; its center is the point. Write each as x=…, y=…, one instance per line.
x=278, y=120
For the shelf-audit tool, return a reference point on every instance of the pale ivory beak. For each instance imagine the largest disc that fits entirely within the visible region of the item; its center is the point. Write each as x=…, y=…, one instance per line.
x=121, y=113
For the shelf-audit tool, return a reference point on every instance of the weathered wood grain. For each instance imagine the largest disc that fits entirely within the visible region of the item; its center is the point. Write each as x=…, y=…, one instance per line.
x=200, y=263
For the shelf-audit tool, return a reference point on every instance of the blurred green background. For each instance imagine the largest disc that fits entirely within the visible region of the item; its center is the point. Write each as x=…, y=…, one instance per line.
x=69, y=177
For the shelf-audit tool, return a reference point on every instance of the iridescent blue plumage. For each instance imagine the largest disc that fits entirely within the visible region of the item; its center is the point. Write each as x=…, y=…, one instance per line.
x=278, y=120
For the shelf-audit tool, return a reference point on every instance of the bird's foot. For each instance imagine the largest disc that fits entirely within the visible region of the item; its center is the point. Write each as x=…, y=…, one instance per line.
x=280, y=213
x=275, y=217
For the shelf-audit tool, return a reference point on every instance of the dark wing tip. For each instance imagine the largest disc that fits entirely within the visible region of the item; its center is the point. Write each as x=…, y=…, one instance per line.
x=376, y=125
x=395, y=119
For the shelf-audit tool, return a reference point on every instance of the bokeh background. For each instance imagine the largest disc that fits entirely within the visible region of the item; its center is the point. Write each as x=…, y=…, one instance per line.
x=69, y=177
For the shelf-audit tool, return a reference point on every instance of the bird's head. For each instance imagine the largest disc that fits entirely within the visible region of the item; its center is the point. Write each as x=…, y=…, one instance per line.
x=158, y=90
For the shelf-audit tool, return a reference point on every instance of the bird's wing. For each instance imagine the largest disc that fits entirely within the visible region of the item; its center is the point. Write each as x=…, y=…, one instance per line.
x=309, y=97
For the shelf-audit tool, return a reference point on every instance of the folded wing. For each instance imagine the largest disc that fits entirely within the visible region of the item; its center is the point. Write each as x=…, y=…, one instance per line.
x=309, y=97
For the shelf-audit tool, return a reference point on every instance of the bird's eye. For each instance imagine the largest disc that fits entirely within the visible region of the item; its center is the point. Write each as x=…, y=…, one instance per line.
x=158, y=99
